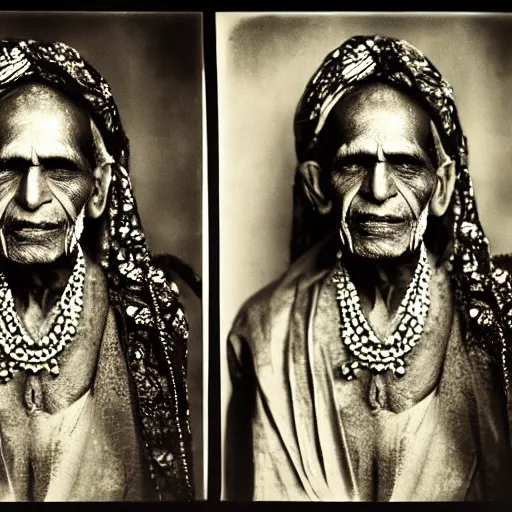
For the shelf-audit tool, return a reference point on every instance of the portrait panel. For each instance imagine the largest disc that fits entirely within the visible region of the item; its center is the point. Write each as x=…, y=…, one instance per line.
x=266, y=64
x=145, y=98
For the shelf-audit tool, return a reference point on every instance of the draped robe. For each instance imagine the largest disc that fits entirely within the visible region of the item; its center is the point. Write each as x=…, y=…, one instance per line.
x=297, y=431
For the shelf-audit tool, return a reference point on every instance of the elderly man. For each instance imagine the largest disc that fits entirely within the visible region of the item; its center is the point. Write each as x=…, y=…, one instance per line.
x=378, y=367
x=93, y=401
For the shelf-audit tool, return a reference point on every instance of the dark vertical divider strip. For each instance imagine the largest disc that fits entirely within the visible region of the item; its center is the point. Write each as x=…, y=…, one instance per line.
x=214, y=417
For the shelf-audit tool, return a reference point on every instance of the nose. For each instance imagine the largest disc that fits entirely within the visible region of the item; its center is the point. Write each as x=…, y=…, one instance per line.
x=33, y=191
x=381, y=185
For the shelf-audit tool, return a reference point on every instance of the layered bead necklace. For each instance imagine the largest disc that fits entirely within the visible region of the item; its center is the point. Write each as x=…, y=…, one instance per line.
x=366, y=349
x=18, y=351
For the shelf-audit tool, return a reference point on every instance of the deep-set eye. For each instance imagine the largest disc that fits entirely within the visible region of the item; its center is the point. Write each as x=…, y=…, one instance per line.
x=354, y=163
x=407, y=169
x=59, y=174
x=408, y=163
x=13, y=165
x=63, y=169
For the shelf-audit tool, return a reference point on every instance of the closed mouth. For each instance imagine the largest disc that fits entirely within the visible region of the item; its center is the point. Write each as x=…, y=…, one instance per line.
x=361, y=218
x=370, y=224
x=23, y=229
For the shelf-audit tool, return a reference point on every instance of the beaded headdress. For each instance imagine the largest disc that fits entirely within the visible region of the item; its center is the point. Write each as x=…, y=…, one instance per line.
x=152, y=318
x=483, y=292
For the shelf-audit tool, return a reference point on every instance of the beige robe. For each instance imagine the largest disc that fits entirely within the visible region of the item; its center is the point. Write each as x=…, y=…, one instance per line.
x=289, y=436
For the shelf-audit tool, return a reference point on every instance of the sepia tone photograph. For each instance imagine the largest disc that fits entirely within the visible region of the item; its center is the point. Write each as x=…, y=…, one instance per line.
x=101, y=184
x=365, y=256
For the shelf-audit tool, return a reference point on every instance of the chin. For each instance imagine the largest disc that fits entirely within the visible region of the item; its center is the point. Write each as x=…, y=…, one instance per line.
x=35, y=248
x=379, y=249
x=34, y=254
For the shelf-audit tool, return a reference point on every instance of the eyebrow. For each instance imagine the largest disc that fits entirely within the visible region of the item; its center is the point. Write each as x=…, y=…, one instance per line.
x=403, y=149
x=51, y=162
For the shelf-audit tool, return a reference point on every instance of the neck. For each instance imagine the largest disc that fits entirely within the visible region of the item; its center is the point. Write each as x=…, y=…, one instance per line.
x=387, y=279
x=41, y=283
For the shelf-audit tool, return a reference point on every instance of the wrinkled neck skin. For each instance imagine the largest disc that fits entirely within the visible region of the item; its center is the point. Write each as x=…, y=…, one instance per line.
x=38, y=284
x=383, y=280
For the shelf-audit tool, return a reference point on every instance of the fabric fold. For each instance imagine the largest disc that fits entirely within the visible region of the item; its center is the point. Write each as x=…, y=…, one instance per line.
x=302, y=399
x=339, y=467
x=62, y=439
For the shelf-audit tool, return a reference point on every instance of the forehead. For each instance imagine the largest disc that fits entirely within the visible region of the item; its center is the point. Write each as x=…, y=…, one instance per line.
x=378, y=114
x=37, y=116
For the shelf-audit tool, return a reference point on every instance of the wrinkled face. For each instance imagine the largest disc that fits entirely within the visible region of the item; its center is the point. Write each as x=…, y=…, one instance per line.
x=45, y=175
x=382, y=175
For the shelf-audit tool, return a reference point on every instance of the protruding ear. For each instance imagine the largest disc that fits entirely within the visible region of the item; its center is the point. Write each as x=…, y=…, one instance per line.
x=98, y=201
x=311, y=179
x=445, y=177
x=444, y=189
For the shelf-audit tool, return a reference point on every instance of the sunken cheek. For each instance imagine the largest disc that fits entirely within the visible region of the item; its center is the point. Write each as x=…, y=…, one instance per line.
x=345, y=180
x=77, y=189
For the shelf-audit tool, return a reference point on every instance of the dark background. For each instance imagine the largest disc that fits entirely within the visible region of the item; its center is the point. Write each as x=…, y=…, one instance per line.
x=264, y=63
x=153, y=63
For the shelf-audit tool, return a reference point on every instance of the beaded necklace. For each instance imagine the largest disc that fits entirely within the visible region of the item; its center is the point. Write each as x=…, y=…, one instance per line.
x=366, y=349
x=18, y=351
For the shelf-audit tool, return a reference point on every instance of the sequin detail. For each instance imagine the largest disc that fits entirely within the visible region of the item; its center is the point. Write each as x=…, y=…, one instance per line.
x=367, y=351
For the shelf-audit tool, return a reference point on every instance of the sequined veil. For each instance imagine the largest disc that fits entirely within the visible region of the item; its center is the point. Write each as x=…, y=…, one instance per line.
x=151, y=320
x=483, y=290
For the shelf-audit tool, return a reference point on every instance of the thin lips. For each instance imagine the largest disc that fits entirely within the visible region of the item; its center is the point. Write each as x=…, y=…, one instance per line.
x=39, y=226
x=385, y=219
